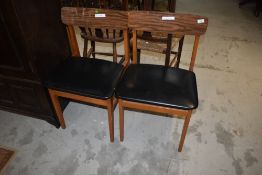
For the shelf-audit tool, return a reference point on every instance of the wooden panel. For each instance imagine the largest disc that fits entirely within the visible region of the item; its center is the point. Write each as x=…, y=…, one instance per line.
x=12, y=46
x=42, y=27
x=25, y=96
x=29, y=96
x=5, y=96
x=44, y=33
x=6, y=155
x=183, y=24
x=86, y=17
x=8, y=50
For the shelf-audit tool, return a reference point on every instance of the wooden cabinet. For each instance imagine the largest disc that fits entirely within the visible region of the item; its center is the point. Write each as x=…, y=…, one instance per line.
x=32, y=42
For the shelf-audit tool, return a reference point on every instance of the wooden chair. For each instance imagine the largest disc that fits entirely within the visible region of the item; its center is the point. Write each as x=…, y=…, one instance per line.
x=97, y=35
x=158, y=88
x=88, y=80
x=160, y=42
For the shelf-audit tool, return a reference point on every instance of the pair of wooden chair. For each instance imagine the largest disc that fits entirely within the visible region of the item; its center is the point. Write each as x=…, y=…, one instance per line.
x=161, y=89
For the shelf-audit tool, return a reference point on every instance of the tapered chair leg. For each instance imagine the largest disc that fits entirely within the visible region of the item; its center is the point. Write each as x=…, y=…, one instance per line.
x=179, y=52
x=138, y=56
x=57, y=108
x=93, y=45
x=168, y=50
x=121, y=120
x=184, y=131
x=85, y=48
x=114, y=53
x=110, y=110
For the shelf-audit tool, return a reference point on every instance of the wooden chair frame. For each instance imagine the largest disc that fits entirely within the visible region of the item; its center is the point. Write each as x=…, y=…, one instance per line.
x=81, y=17
x=185, y=25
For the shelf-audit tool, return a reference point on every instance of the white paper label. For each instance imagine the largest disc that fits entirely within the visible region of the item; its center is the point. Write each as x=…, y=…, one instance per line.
x=200, y=21
x=100, y=15
x=168, y=18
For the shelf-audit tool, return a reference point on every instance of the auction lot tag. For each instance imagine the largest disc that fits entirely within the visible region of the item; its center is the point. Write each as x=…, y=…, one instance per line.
x=168, y=18
x=100, y=15
x=200, y=21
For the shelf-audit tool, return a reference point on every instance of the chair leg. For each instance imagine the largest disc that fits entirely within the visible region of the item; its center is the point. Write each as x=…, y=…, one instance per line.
x=168, y=50
x=114, y=53
x=57, y=108
x=153, y=5
x=110, y=107
x=93, y=45
x=171, y=5
x=121, y=120
x=138, y=4
x=184, y=131
x=179, y=52
x=85, y=48
x=138, y=56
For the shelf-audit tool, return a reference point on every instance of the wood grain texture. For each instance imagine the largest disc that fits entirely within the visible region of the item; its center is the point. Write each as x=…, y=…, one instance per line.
x=194, y=52
x=184, y=130
x=6, y=155
x=73, y=41
x=121, y=120
x=151, y=21
x=184, y=24
x=76, y=16
x=110, y=111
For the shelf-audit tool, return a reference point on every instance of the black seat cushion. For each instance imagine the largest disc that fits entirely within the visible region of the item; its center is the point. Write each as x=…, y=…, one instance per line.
x=159, y=85
x=88, y=77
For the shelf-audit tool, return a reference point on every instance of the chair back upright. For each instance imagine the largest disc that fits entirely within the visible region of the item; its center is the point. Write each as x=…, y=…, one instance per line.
x=87, y=18
x=170, y=23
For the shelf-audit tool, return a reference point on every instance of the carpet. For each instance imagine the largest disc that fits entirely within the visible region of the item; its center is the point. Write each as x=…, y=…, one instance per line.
x=6, y=156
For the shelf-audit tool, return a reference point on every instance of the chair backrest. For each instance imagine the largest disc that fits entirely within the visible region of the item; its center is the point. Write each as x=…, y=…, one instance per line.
x=94, y=18
x=170, y=23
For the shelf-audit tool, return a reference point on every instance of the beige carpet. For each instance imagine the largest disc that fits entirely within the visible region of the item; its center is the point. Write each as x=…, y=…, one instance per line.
x=6, y=156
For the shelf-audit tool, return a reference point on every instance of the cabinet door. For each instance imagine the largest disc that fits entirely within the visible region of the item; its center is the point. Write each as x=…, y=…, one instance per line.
x=15, y=59
x=24, y=96
x=45, y=34
x=5, y=95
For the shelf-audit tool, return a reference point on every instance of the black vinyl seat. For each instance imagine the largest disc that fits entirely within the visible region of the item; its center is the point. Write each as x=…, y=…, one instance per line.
x=159, y=85
x=94, y=78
